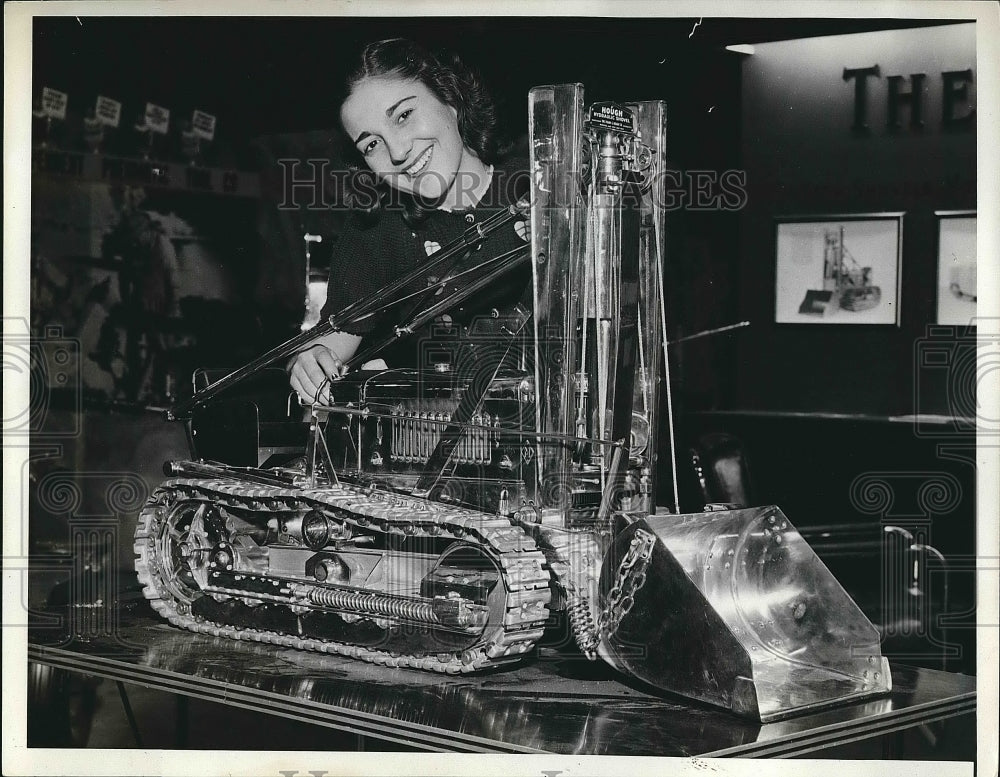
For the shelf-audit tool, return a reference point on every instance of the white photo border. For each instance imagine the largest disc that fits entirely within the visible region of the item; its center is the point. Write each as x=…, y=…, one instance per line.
x=895, y=217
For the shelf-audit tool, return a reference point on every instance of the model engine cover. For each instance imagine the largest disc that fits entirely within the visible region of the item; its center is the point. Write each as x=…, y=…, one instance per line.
x=403, y=416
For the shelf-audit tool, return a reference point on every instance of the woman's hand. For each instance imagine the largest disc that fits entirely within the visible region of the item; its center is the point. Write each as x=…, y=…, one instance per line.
x=310, y=369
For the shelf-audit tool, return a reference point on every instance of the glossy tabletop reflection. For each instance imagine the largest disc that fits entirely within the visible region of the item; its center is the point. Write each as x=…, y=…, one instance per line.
x=554, y=701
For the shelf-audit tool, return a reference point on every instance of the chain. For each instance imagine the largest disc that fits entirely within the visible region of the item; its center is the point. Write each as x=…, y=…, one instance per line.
x=631, y=577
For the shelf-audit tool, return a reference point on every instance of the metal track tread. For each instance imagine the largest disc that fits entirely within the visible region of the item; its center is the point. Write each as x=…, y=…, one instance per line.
x=525, y=575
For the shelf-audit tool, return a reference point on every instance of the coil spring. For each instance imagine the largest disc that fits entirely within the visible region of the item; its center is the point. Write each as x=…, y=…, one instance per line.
x=582, y=624
x=371, y=604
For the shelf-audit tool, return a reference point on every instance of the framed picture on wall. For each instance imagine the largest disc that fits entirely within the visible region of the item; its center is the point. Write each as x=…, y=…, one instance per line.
x=956, y=266
x=840, y=269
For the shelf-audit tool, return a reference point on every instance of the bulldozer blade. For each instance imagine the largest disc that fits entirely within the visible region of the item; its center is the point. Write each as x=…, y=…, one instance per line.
x=733, y=608
x=818, y=303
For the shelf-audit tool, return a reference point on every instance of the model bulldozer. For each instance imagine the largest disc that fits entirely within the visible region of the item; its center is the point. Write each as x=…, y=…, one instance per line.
x=846, y=285
x=435, y=519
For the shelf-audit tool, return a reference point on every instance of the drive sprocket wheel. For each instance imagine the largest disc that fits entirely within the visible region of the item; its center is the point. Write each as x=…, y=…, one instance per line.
x=173, y=549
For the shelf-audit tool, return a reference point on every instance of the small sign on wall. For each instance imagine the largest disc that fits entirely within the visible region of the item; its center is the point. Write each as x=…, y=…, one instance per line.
x=956, y=272
x=54, y=102
x=108, y=111
x=838, y=269
x=203, y=125
x=157, y=118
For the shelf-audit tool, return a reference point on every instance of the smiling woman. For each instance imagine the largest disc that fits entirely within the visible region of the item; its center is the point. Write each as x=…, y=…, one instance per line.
x=410, y=140
x=424, y=129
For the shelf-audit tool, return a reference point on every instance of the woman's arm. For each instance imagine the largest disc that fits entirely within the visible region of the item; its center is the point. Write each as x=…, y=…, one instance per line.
x=355, y=253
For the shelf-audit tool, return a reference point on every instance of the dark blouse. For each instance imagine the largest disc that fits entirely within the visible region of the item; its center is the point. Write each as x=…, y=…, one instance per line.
x=369, y=256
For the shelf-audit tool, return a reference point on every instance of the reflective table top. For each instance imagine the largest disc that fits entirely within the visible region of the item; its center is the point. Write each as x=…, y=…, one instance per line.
x=553, y=701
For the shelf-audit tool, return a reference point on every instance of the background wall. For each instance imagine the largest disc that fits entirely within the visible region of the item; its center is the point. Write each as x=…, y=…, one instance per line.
x=802, y=158
x=821, y=408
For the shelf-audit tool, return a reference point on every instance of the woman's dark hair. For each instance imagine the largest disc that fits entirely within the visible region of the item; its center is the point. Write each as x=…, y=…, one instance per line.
x=451, y=82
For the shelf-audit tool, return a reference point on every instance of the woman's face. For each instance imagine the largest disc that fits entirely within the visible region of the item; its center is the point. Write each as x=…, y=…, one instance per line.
x=408, y=137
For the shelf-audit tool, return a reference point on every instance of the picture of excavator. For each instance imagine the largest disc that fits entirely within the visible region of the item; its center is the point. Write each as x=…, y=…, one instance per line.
x=846, y=284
